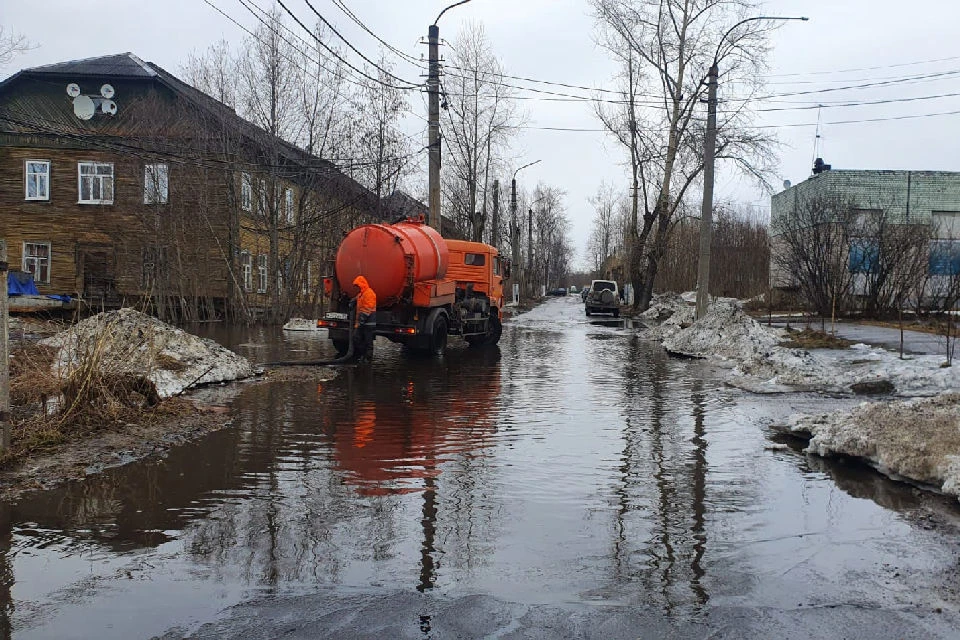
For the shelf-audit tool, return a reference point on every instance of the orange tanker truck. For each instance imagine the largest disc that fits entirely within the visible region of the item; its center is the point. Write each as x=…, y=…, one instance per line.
x=428, y=287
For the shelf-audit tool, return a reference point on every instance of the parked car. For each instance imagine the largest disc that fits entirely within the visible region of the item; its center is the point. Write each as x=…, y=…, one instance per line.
x=604, y=297
x=557, y=292
x=585, y=293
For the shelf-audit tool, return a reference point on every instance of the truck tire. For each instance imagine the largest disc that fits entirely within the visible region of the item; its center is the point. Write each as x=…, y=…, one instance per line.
x=606, y=296
x=341, y=347
x=438, y=338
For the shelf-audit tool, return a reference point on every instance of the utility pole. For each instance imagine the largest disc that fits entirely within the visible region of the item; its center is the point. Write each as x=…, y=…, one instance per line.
x=4, y=353
x=433, y=94
x=495, y=223
x=514, y=234
x=530, y=252
x=706, y=211
x=709, y=157
x=433, y=116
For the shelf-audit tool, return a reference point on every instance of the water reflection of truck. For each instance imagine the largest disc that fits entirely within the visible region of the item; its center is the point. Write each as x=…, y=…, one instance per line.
x=427, y=287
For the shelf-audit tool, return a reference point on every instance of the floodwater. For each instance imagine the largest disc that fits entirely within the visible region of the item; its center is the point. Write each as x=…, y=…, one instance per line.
x=573, y=483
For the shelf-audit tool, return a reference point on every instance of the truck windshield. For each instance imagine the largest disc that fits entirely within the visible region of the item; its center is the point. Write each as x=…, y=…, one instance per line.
x=604, y=286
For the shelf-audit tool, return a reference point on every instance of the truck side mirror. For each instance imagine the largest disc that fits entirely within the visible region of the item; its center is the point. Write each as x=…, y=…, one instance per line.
x=506, y=269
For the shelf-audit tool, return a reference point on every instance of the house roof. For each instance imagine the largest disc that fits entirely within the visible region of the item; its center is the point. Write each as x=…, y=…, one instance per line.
x=125, y=65
x=128, y=66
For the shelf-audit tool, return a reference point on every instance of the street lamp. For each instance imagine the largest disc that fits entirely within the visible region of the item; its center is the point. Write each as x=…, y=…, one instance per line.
x=433, y=122
x=709, y=156
x=514, y=225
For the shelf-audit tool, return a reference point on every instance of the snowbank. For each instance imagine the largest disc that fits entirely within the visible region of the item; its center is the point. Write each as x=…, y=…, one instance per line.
x=300, y=324
x=757, y=362
x=915, y=439
x=127, y=341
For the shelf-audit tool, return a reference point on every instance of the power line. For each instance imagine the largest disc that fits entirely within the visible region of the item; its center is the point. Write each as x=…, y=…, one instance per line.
x=409, y=85
x=350, y=14
x=349, y=44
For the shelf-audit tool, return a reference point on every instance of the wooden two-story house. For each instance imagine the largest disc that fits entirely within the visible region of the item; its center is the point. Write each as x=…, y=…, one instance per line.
x=121, y=184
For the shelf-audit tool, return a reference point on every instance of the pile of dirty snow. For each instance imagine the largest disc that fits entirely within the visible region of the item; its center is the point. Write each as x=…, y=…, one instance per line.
x=914, y=439
x=668, y=313
x=127, y=341
x=758, y=363
x=300, y=324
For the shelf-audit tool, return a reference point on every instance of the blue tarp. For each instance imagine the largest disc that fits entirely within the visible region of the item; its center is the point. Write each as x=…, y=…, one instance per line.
x=20, y=283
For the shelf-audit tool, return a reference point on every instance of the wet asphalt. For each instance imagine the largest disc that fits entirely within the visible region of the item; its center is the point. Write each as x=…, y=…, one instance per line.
x=574, y=482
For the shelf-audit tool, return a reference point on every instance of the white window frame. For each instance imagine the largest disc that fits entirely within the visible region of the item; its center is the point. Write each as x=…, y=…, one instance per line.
x=156, y=183
x=246, y=192
x=246, y=270
x=262, y=271
x=288, y=205
x=95, y=177
x=36, y=260
x=26, y=179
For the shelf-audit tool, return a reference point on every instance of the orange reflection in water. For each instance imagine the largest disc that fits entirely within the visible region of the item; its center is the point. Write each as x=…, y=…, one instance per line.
x=393, y=432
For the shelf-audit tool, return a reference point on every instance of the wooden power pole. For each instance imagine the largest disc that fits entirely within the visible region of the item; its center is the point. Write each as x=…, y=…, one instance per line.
x=4, y=353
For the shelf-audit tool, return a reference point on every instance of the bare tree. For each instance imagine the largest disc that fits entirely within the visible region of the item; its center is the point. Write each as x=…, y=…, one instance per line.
x=12, y=44
x=480, y=120
x=384, y=150
x=810, y=250
x=664, y=49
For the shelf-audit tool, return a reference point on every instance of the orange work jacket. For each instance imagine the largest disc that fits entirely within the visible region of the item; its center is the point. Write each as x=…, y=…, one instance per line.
x=367, y=300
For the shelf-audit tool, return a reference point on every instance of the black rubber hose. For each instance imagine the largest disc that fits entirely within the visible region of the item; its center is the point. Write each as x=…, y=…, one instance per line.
x=317, y=363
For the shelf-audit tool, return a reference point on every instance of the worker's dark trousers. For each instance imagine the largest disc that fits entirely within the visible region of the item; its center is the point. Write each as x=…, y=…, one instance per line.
x=363, y=340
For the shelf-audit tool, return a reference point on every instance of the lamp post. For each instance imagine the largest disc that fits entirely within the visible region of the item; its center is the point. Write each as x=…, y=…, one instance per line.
x=433, y=120
x=709, y=157
x=514, y=224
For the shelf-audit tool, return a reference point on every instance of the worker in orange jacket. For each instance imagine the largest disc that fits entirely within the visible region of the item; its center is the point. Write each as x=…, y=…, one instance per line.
x=366, y=319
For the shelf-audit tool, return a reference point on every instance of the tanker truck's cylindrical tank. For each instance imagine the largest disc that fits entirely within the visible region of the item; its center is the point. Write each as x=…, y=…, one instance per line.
x=391, y=257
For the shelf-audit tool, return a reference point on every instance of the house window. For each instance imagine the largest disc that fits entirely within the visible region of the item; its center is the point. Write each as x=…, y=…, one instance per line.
x=944, y=258
x=246, y=192
x=864, y=255
x=36, y=260
x=288, y=209
x=156, y=184
x=246, y=270
x=95, y=182
x=261, y=273
x=37, y=178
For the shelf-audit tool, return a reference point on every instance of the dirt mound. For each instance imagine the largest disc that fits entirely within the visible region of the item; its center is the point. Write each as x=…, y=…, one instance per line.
x=127, y=342
x=914, y=439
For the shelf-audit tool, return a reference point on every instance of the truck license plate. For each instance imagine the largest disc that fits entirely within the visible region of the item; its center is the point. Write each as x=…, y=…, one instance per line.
x=334, y=315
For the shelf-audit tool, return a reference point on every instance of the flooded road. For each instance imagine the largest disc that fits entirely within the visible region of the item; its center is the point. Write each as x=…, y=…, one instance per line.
x=574, y=482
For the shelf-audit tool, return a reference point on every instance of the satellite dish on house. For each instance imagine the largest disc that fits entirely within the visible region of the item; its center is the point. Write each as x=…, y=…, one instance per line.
x=73, y=89
x=109, y=107
x=786, y=184
x=107, y=91
x=83, y=107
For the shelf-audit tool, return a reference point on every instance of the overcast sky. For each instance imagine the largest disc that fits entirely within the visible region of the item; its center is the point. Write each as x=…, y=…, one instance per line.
x=846, y=42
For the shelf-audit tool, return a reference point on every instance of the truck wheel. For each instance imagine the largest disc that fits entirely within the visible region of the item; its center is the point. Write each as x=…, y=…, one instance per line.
x=493, y=332
x=341, y=347
x=438, y=339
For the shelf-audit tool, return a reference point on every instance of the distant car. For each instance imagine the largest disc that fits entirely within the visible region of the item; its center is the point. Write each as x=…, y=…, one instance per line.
x=557, y=292
x=584, y=293
x=572, y=289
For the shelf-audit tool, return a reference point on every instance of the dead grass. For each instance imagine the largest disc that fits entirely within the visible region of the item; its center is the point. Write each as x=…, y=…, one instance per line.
x=53, y=401
x=812, y=339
